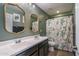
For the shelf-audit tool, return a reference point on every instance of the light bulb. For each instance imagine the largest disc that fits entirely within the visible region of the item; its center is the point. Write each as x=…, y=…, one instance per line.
x=33, y=6
x=57, y=11
x=30, y=4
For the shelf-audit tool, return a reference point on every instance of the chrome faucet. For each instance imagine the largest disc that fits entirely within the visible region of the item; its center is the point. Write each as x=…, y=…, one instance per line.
x=36, y=36
x=17, y=41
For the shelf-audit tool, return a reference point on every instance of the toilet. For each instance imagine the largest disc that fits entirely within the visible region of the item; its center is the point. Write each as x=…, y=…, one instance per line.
x=51, y=45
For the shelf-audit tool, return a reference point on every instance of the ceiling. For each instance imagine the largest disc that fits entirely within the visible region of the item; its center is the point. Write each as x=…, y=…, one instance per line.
x=52, y=8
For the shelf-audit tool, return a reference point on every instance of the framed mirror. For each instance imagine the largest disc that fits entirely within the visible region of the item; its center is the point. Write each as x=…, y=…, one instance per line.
x=14, y=18
x=34, y=23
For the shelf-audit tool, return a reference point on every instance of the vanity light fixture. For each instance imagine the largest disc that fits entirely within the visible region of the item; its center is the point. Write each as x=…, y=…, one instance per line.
x=33, y=6
x=30, y=4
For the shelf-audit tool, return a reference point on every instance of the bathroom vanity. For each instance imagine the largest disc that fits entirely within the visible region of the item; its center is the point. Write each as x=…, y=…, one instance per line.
x=40, y=49
x=29, y=46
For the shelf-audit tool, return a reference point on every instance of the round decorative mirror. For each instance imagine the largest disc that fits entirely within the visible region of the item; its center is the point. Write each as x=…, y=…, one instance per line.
x=14, y=18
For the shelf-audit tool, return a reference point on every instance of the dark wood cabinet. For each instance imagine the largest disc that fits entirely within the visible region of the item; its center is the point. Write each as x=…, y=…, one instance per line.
x=34, y=54
x=43, y=48
x=40, y=49
x=29, y=52
x=46, y=50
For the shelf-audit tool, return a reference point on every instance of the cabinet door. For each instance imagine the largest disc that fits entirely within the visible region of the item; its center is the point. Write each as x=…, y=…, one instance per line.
x=41, y=51
x=35, y=54
x=45, y=49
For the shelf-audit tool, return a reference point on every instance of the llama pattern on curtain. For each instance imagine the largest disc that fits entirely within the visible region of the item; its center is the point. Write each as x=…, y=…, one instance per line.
x=60, y=31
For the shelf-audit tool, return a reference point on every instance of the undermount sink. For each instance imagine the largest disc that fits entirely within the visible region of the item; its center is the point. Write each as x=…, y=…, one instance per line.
x=24, y=43
x=19, y=45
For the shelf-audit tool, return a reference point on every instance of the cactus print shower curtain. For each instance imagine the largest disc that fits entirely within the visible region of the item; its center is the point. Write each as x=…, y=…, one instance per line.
x=60, y=31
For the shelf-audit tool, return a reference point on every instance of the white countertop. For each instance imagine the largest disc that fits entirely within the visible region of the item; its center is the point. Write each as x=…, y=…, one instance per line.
x=14, y=49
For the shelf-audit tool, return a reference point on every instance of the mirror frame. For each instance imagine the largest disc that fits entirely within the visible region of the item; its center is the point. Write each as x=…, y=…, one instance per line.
x=4, y=5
